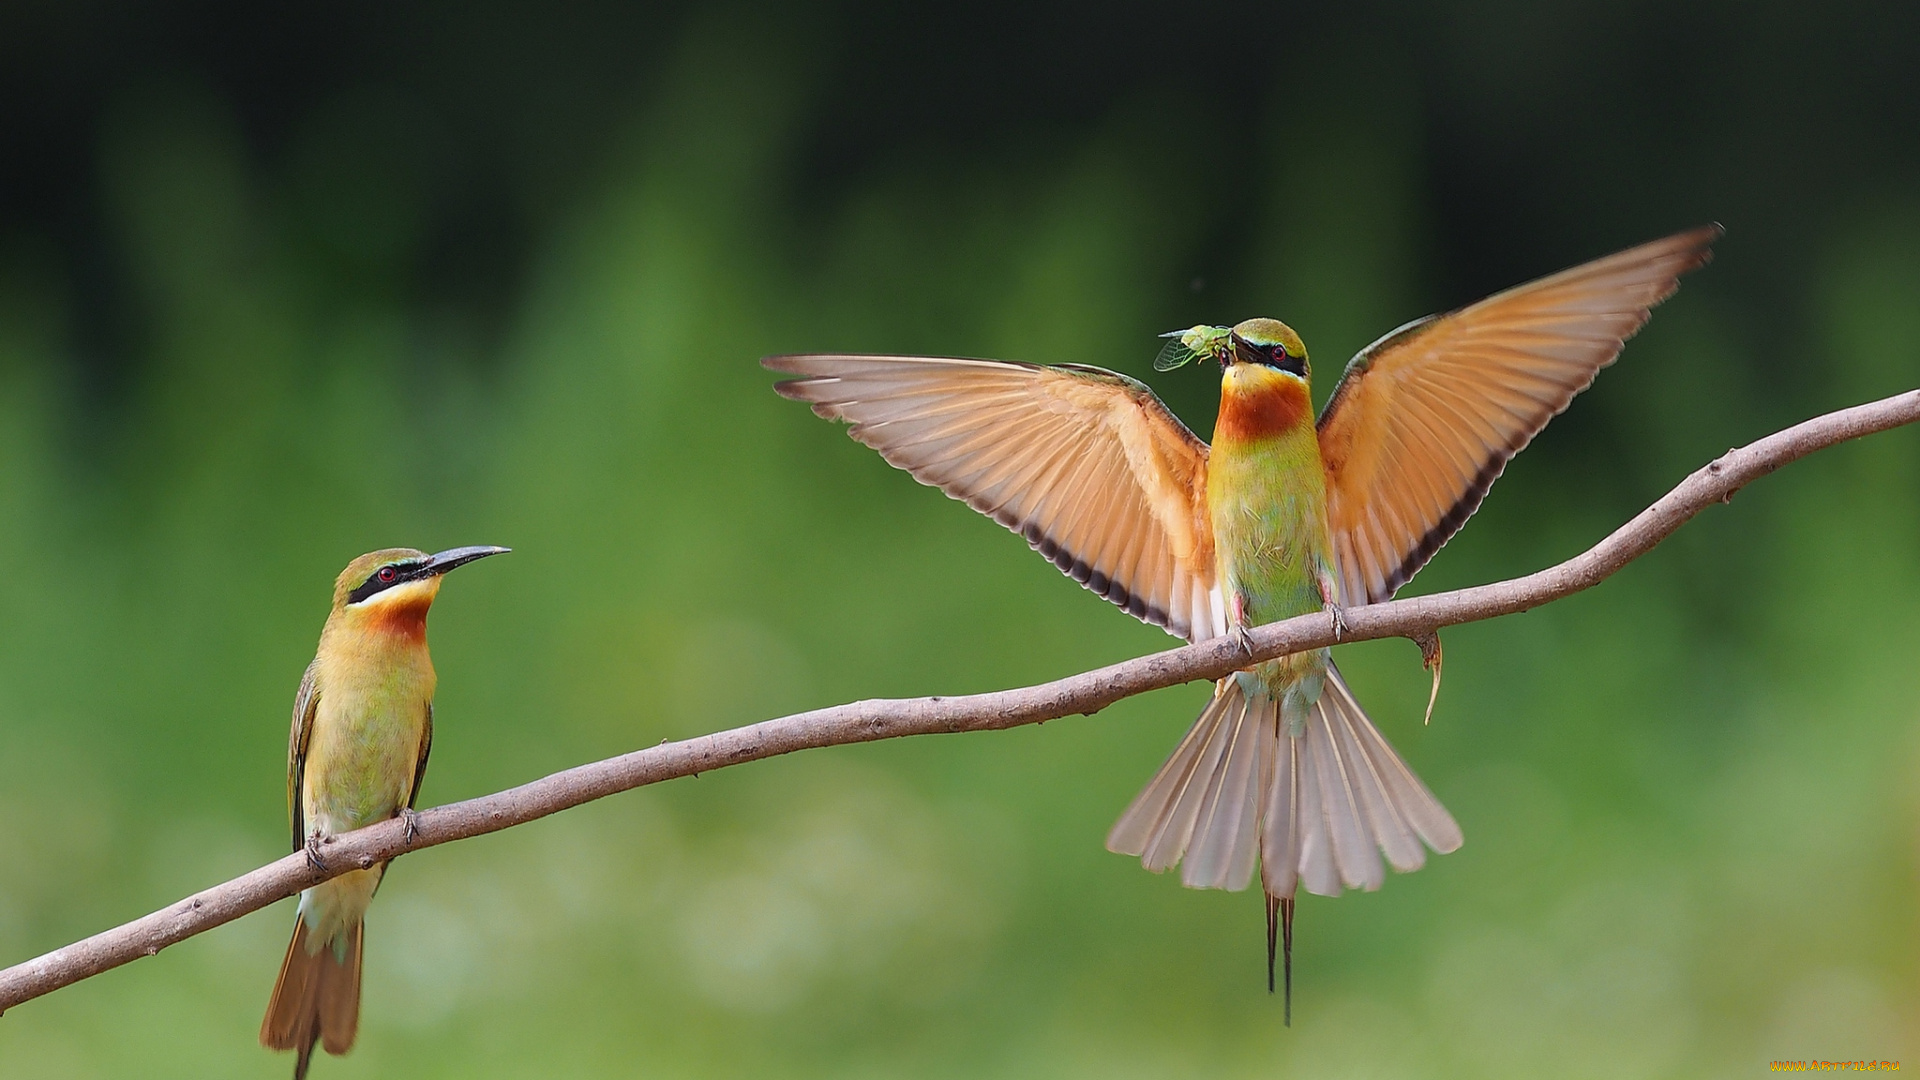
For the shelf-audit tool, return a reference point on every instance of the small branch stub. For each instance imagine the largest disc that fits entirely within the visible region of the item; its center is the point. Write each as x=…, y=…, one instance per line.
x=1429, y=642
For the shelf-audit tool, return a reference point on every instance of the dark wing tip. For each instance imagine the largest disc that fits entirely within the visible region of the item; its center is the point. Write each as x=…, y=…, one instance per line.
x=792, y=364
x=813, y=369
x=793, y=389
x=1698, y=242
x=1683, y=252
x=1675, y=256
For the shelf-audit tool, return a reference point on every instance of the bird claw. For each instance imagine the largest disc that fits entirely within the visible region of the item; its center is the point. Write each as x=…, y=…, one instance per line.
x=1330, y=602
x=314, y=861
x=410, y=818
x=1244, y=639
x=1339, y=619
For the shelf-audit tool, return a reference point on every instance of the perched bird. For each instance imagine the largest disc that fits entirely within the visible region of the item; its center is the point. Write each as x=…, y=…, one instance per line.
x=1279, y=517
x=362, y=726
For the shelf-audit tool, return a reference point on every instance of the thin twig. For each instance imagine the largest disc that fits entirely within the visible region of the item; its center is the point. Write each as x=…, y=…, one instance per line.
x=866, y=721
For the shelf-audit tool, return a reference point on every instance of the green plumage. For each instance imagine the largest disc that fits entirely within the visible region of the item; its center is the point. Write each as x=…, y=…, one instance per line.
x=1266, y=497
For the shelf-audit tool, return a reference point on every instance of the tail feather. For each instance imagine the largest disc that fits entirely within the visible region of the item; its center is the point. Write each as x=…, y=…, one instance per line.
x=1226, y=837
x=1280, y=848
x=1314, y=832
x=316, y=999
x=1318, y=809
x=1388, y=828
x=339, y=1004
x=1403, y=790
x=1149, y=827
x=1183, y=819
x=1355, y=851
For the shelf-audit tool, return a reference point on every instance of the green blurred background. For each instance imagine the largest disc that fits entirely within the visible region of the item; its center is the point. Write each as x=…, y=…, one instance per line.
x=282, y=284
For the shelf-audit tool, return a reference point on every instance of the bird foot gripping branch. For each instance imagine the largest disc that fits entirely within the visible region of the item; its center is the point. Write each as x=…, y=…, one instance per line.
x=410, y=823
x=1330, y=602
x=315, y=861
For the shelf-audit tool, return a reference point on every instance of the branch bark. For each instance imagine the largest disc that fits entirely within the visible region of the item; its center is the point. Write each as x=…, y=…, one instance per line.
x=866, y=721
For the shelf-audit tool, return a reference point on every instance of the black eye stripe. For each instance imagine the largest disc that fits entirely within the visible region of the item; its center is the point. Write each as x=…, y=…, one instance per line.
x=378, y=581
x=1275, y=355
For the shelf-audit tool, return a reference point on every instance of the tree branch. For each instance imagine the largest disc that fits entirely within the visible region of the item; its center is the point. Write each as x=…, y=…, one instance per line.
x=866, y=721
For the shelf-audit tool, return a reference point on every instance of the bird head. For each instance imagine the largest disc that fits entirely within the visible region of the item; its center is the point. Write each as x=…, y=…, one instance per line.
x=1269, y=342
x=397, y=582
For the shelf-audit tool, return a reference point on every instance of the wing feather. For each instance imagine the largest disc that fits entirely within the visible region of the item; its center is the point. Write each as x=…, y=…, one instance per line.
x=305, y=702
x=420, y=763
x=1424, y=420
x=1086, y=465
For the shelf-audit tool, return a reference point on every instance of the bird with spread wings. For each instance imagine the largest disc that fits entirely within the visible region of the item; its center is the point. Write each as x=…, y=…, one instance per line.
x=1280, y=516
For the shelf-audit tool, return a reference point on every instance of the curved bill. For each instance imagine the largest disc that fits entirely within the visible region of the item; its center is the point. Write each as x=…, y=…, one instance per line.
x=443, y=561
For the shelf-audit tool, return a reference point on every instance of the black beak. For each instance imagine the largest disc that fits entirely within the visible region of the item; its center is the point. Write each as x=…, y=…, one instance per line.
x=446, y=560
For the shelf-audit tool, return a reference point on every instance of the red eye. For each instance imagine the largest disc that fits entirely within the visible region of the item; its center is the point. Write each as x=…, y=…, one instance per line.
x=388, y=573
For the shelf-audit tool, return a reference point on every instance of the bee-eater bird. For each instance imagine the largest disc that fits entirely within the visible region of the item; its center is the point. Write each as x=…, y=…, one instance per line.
x=1279, y=517
x=362, y=726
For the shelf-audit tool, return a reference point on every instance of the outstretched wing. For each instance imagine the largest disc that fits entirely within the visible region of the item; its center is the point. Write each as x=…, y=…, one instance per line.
x=304, y=704
x=1425, y=419
x=1086, y=464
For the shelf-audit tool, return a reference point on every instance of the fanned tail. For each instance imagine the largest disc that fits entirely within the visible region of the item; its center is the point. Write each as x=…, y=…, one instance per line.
x=1340, y=797
x=1204, y=803
x=316, y=999
x=1316, y=809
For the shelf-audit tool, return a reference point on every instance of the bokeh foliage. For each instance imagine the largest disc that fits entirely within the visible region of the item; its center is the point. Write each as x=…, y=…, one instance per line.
x=281, y=292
